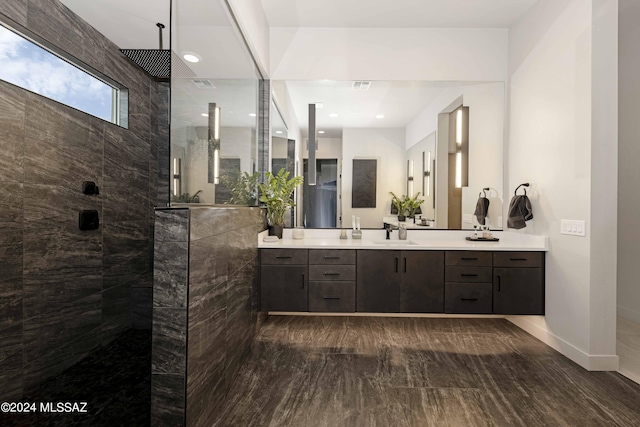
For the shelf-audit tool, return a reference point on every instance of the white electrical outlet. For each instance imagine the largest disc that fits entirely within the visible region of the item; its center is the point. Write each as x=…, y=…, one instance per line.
x=573, y=227
x=467, y=218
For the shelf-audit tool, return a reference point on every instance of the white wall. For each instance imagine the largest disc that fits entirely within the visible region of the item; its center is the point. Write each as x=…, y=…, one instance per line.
x=486, y=142
x=388, y=147
x=555, y=131
x=629, y=159
x=386, y=53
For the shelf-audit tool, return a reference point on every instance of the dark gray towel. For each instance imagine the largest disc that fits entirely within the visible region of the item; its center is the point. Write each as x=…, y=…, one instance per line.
x=519, y=212
x=482, y=208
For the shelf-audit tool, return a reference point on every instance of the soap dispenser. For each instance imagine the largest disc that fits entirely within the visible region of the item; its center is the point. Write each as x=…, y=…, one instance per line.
x=402, y=232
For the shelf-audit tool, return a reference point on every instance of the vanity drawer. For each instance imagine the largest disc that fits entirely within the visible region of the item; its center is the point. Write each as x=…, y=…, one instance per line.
x=471, y=298
x=284, y=256
x=476, y=258
x=463, y=274
x=332, y=256
x=332, y=297
x=332, y=272
x=518, y=259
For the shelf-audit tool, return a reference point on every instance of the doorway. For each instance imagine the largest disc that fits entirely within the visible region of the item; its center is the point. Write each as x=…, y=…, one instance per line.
x=320, y=201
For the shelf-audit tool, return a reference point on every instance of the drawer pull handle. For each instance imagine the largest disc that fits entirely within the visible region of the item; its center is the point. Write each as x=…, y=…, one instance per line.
x=330, y=297
x=302, y=285
x=283, y=257
x=396, y=264
x=499, y=280
x=468, y=299
x=469, y=259
x=326, y=273
x=405, y=265
x=518, y=259
x=331, y=257
x=468, y=275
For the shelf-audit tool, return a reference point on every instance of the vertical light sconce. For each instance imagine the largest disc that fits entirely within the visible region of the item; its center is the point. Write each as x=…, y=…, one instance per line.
x=462, y=147
x=177, y=166
x=214, y=143
x=410, y=178
x=312, y=144
x=426, y=169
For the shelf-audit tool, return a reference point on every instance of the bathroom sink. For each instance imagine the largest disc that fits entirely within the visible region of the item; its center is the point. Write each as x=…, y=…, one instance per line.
x=394, y=242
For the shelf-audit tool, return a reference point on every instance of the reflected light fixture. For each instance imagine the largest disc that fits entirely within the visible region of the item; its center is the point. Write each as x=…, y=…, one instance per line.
x=278, y=131
x=214, y=143
x=380, y=116
x=459, y=148
x=312, y=144
x=320, y=131
x=177, y=165
x=333, y=115
x=252, y=114
x=204, y=115
x=410, y=178
x=426, y=168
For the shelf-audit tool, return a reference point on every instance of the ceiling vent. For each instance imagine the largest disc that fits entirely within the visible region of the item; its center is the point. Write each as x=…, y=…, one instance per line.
x=203, y=84
x=360, y=85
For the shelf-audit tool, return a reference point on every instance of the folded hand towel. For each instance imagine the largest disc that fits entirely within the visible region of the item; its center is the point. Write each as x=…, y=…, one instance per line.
x=482, y=208
x=519, y=212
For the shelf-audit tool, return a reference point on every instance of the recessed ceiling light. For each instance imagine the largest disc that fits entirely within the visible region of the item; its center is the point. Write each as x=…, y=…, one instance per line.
x=320, y=131
x=380, y=116
x=191, y=57
x=204, y=115
x=252, y=114
x=319, y=105
x=278, y=131
x=334, y=115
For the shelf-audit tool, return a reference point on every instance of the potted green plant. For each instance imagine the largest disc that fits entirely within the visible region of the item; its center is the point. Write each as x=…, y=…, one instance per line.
x=400, y=205
x=412, y=204
x=276, y=193
x=187, y=198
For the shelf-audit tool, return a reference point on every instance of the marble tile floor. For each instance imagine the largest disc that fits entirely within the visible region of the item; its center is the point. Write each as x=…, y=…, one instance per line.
x=115, y=381
x=628, y=347
x=359, y=371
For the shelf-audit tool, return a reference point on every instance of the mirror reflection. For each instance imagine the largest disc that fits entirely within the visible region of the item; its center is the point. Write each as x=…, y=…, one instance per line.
x=214, y=109
x=439, y=143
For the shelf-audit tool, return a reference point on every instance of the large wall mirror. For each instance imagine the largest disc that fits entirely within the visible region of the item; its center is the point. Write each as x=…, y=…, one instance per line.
x=214, y=108
x=443, y=140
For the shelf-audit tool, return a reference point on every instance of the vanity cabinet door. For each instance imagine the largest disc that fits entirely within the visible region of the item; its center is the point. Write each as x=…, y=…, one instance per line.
x=518, y=291
x=422, y=285
x=378, y=281
x=283, y=288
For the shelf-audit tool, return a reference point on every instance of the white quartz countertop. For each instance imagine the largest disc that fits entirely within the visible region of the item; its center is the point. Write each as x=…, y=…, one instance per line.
x=416, y=240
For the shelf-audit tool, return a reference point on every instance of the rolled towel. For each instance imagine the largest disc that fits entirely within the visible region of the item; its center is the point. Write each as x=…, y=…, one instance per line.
x=519, y=212
x=482, y=208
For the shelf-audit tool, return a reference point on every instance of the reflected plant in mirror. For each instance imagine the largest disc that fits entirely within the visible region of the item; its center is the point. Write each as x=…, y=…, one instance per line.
x=242, y=187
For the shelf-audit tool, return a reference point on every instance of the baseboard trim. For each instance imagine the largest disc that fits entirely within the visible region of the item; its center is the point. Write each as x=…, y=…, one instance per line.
x=591, y=362
x=629, y=314
x=422, y=315
x=633, y=377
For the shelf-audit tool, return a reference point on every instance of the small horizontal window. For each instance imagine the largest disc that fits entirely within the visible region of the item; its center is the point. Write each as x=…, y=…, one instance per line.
x=33, y=64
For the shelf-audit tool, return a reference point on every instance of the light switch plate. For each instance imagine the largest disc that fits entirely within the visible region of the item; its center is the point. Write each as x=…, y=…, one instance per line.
x=573, y=227
x=467, y=218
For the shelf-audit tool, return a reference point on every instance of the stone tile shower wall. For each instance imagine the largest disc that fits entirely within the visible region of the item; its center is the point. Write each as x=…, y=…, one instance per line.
x=205, y=308
x=64, y=292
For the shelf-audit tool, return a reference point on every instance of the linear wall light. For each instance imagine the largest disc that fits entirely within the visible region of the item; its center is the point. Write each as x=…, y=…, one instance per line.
x=410, y=178
x=214, y=143
x=426, y=169
x=312, y=144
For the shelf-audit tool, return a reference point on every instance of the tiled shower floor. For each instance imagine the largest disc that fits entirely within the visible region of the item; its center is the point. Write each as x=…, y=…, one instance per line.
x=114, y=381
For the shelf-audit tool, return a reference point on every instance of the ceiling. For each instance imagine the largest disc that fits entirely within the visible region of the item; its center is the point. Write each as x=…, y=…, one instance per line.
x=395, y=14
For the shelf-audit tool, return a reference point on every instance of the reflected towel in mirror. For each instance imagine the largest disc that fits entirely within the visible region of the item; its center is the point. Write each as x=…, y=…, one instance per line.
x=482, y=208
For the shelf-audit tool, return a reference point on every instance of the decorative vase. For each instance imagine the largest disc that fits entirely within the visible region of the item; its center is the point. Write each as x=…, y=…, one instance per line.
x=276, y=230
x=402, y=218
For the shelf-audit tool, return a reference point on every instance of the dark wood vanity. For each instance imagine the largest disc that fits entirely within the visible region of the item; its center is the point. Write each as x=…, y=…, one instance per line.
x=402, y=281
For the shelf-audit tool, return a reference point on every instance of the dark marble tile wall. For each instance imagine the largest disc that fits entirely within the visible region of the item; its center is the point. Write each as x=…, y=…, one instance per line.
x=64, y=292
x=169, y=336
x=221, y=307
